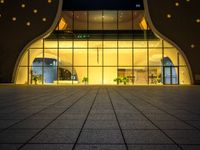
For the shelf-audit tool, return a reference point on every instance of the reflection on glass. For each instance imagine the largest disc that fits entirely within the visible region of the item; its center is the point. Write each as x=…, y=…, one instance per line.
x=80, y=20
x=110, y=20
x=95, y=20
x=125, y=21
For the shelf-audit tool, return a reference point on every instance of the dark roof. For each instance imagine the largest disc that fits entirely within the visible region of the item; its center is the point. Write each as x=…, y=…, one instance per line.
x=103, y=5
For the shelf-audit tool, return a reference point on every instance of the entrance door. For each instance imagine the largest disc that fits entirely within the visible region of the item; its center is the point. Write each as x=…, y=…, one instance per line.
x=170, y=75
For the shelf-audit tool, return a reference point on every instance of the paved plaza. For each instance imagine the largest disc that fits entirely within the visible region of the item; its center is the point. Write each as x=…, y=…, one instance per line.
x=99, y=118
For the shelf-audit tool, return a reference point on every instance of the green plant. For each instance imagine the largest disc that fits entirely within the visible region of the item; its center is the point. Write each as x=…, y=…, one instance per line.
x=118, y=80
x=36, y=78
x=125, y=80
x=85, y=80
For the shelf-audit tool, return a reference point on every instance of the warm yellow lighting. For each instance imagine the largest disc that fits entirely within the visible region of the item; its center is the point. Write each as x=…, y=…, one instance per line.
x=44, y=19
x=0, y=15
x=2, y=1
x=192, y=46
x=187, y=0
x=23, y=5
x=198, y=20
x=169, y=16
x=62, y=25
x=177, y=4
x=143, y=24
x=49, y=1
x=28, y=23
x=14, y=18
x=35, y=11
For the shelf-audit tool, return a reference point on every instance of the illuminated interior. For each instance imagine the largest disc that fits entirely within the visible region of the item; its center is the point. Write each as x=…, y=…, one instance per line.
x=102, y=47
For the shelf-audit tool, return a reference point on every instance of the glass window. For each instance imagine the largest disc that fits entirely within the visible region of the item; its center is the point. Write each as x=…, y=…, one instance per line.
x=155, y=75
x=50, y=75
x=184, y=76
x=139, y=22
x=80, y=44
x=140, y=75
x=95, y=20
x=36, y=57
x=125, y=57
x=65, y=75
x=95, y=57
x=95, y=44
x=81, y=75
x=65, y=57
x=68, y=19
x=65, y=44
x=110, y=73
x=140, y=57
x=22, y=75
x=110, y=57
x=36, y=75
x=125, y=20
x=80, y=57
x=181, y=60
x=80, y=20
x=110, y=20
x=95, y=75
x=155, y=44
x=125, y=44
x=24, y=60
x=155, y=57
x=50, y=57
x=170, y=57
x=50, y=44
x=110, y=44
x=37, y=44
x=140, y=44
x=126, y=74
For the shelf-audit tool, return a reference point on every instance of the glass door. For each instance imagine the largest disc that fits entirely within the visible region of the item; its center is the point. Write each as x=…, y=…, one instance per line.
x=170, y=75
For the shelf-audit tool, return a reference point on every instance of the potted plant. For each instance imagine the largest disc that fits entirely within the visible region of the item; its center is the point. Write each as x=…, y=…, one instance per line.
x=118, y=80
x=85, y=80
x=125, y=80
x=35, y=79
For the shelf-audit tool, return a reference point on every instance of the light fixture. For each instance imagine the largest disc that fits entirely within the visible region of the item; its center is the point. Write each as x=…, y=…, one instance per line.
x=28, y=23
x=14, y=18
x=35, y=11
x=198, y=20
x=49, y=1
x=2, y=1
x=192, y=46
x=177, y=4
x=169, y=16
x=23, y=5
x=44, y=19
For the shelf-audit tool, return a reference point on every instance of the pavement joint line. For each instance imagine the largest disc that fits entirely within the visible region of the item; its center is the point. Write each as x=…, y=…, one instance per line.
x=117, y=119
x=163, y=110
x=74, y=145
x=126, y=99
x=73, y=103
x=36, y=113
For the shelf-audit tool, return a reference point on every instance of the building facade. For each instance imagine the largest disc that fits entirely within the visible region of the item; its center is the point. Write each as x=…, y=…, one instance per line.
x=104, y=45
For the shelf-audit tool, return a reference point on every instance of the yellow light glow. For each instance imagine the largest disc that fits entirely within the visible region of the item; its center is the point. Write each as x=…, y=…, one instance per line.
x=177, y=4
x=44, y=19
x=192, y=46
x=62, y=25
x=169, y=16
x=28, y=23
x=143, y=24
x=35, y=11
x=23, y=5
x=2, y=1
x=198, y=20
x=14, y=18
x=49, y=1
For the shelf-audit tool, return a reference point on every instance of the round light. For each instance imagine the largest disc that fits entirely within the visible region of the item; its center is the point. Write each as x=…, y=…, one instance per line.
x=23, y=5
x=0, y=15
x=2, y=1
x=35, y=11
x=14, y=18
x=192, y=46
x=187, y=0
x=49, y=1
x=177, y=4
x=44, y=19
x=169, y=16
x=28, y=23
x=198, y=20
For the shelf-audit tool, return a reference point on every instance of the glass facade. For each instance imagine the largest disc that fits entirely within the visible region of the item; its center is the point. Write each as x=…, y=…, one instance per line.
x=102, y=47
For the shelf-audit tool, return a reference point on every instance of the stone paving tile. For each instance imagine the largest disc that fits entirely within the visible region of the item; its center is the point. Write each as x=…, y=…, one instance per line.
x=101, y=117
x=153, y=147
x=101, y=137
x=47, y=147
x=130, y=125
x=184, y=136
x=6, y=123
x=172, y=125
x=191, y=147
x=16, y=135
x=100, y=147
x=99, y=124
x=9, y=146
x=145, y=137
x=70, y=124
x=56, y=136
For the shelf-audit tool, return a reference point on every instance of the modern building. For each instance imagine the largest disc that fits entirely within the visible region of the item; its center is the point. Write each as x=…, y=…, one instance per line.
x=97, y=44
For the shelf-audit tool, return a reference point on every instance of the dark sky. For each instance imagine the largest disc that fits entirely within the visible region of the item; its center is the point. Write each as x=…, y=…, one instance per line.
x=102, y=4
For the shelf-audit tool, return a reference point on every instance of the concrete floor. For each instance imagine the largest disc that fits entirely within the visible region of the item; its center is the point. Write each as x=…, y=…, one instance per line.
x=99, y=118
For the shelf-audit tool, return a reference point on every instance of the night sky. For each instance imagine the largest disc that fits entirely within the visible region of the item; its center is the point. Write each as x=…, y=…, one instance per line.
x=102, y=4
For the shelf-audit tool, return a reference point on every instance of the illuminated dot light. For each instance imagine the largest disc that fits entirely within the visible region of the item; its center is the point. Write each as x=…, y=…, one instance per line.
x=187, y=0
x=28, y=23
x=14, y=18
x=2, y=1
x=177, y=4
x=192, y=46
x=49, y=1
x=44, y=19
x=0, y=15
x=35, y=11
x=23, y=5
x=198, y=20
x=169, y=16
